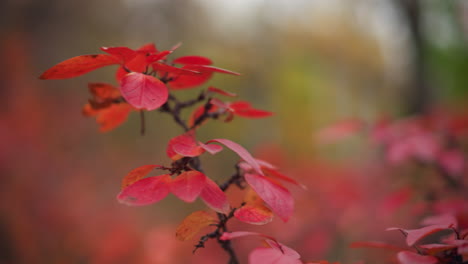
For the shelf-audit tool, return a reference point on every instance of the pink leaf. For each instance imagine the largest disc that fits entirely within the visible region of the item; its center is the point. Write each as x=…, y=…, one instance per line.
x=414, y=235
x=145, y=191
x=143, y=91
x=237, y=234
x=408, y=257
x=211, y=148
x=214, y=197
x=276, y=196
x=188, y=185
x=241, y=151
x=278, y=253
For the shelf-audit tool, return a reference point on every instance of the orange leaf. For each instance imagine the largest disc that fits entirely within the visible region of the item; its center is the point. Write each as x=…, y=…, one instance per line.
x=192, y=224
x=113, y=116
x=254, y=214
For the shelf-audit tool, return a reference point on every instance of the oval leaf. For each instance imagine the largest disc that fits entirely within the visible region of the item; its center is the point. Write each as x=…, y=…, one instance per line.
x=214, y=197
x=254, y=214
x=146, y=191
x=143, y=91
x=188, y=185
x=276, y=196
x=193, y=223
x=78, y=65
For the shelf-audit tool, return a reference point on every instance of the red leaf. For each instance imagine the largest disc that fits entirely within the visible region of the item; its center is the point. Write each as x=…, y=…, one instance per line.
x=103, y=91
x=188, y=185
x=184, y=145
x=156, y=57
x=254, y=214
x=199, y=111
x=408, y=257
x=143, y=91
x=214, y=197
x=137, y=64
x=123, y=53
x=207, y=68
x=148, y=48
x=137, y=174
x=241, y=151
x=276, y=196
x=414, y=235
x=189, y=81
x=213, y=89
x=146, y=191
x=112, y=116
x=78, y=65
x=193, y=60
x=171, y=69
x=244, y=109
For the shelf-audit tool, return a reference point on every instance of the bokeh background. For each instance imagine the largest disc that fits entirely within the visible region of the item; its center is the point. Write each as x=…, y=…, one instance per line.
x=312, y=62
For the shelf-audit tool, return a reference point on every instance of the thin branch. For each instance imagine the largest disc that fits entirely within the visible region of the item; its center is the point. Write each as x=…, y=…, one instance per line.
x=142, y=123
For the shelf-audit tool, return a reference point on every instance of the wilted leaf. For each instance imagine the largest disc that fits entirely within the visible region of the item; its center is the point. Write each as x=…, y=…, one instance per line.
x=143, y=91
x=78, y=65
x=193, y=223
x=103, y=91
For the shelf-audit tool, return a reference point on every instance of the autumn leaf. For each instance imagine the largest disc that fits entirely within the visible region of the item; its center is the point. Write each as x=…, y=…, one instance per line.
x=193, y=223
x=276, y=253
x=78, y=65
x=256, y=214
x=143, y=91
x=137, y=174
x=193, y=60
x=414, y=235
x=184, y=145
x=112, y=116
x=241, y=151
x=276, y=196
x=213, y=89
x=188, y=185
x=214, y=197
x=146, y=191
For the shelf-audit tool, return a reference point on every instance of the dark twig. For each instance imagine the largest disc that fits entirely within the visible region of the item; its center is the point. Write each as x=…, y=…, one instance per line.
x=194, y=163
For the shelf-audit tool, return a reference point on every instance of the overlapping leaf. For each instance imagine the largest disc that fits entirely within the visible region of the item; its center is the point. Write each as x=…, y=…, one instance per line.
x=143, y=91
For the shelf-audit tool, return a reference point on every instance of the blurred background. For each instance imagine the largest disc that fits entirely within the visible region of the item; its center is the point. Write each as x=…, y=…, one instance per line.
x=311, y=62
